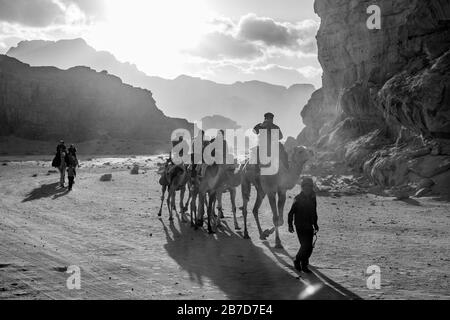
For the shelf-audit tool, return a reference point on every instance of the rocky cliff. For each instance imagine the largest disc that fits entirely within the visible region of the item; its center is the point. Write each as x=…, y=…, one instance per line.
x=384, y=108
x=195, y=98
x=79, y=104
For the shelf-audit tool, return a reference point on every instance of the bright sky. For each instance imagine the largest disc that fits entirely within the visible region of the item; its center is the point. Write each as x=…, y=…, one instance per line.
x=221, y=40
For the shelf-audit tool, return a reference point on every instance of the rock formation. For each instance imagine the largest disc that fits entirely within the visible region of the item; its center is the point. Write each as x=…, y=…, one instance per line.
x=219, y=122
x=384, y=108
x=195, y=98
x=79, y=104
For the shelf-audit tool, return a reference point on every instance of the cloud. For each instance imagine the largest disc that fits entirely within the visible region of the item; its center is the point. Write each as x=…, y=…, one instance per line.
x=45, y=13
x=37, y=13
x=219, y=46
x=299, y=36
x=94, y=9
x=310, y=71
x=253, y=37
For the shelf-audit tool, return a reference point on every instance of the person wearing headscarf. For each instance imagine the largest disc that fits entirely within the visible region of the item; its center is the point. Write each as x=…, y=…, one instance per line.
x=303, y=215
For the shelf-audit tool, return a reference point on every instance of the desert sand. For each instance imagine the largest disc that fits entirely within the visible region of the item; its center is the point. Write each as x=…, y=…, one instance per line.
x=124, y=251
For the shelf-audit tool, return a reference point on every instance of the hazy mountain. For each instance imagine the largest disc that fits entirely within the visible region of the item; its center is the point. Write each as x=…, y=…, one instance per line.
x=219, y=122
x=79, y=104
x=186, y=97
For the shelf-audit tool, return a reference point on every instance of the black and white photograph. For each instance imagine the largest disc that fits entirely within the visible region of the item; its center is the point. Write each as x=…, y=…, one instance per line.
x=225, y=155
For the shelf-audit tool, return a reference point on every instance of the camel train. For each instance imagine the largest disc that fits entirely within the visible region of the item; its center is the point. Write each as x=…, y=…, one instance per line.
x=206, y=185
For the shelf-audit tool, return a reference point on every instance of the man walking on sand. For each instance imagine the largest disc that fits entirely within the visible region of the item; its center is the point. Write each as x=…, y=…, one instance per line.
x=304, y=215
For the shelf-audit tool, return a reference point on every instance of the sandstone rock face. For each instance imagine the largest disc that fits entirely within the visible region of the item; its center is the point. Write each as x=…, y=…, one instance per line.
x=79, y=104
x=313, y=119
x=386, y=92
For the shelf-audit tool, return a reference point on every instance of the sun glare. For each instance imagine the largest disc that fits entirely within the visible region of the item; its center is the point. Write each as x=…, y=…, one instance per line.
x=152, y=33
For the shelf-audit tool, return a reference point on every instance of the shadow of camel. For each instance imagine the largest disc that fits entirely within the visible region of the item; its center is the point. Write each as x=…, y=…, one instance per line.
x=237, y=267
x=46, y=191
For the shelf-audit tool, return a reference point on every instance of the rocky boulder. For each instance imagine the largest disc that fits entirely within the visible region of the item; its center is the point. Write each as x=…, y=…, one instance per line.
x=386, y=93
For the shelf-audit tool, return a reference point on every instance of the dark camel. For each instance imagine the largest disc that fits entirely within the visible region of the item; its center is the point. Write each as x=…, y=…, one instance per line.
x=274, y=186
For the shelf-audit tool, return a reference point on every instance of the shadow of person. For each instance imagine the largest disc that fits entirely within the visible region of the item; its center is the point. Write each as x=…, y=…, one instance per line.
x=412, y=202
x=236, y=266
x=59, y=195
x=44, y=191
x=317, y=285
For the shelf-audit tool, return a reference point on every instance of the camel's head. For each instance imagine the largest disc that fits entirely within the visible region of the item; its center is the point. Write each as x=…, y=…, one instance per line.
x=301, y=155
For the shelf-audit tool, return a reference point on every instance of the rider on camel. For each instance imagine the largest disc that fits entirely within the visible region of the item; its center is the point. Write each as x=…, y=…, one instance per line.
x=61, y=147
x=270, y=126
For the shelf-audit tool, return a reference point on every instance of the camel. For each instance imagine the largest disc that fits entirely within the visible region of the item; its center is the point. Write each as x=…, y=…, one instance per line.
x=173, y=181
x=273, y=186
x=215, y=178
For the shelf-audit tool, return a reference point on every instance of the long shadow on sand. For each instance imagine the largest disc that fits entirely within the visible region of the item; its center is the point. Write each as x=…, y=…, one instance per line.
x=239, y=268
x=46, y=191
x=316, y=281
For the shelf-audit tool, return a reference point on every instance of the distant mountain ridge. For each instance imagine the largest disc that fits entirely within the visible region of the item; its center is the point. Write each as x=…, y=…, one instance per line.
x=185, y=96
x=79, y=104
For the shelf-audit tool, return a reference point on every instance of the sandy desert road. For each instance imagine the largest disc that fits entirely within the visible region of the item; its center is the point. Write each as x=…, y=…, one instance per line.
x=111, y=232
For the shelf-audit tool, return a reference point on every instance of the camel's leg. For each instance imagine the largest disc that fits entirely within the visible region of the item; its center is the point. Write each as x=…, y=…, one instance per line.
x=233, y=207
x=181, y=204
x=219, y=204
x=171, y=202
x=201, y=209
x=169, y=208
x=163, y=190
x=213, y=208
x=182, y=210
x=260, y=195
x=245, y=190
x=210, y=212
x=173, y=196
x=186, y=206
x=194, y=210
x=281, y=203
x=204, y=206
x=273, y=206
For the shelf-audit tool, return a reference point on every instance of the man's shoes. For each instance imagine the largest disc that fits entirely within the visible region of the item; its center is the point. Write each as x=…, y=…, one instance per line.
x=297, y=266
x=305, y=269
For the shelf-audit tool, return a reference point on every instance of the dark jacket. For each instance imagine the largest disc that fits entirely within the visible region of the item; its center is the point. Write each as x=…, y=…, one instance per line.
x=268, y=126
x=71, y=172
x=304, y=212
x=73, y=151
x=61, y=147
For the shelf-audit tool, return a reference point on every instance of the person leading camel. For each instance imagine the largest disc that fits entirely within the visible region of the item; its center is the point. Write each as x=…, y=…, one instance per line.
x=71, y=157
x=303, y=215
